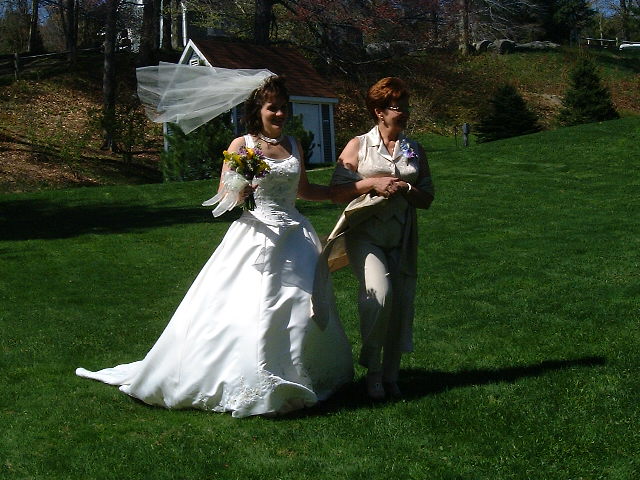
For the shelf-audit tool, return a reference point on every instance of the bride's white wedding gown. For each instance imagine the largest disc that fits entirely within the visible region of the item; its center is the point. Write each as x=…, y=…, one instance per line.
x=244, y=338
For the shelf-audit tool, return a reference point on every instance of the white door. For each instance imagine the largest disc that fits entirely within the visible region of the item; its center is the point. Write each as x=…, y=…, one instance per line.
x=312, y=121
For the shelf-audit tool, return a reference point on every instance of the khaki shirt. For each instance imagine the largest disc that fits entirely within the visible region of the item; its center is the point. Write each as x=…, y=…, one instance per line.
x=373, y=215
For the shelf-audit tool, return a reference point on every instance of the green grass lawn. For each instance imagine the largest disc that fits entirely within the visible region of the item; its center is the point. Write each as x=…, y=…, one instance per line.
x=526, y=363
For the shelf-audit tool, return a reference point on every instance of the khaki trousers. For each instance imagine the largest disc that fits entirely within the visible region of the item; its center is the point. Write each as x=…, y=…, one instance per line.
x=374, y=255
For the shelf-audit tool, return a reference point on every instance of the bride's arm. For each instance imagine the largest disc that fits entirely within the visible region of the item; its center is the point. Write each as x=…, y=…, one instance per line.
x=343, y=193
x=310, y=191
x=233, y=147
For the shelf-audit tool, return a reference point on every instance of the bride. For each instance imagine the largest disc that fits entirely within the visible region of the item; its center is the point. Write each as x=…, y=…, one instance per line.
x=251, y=336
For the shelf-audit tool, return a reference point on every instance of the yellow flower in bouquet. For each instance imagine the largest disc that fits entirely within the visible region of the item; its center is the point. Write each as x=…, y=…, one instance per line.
x=250, y=163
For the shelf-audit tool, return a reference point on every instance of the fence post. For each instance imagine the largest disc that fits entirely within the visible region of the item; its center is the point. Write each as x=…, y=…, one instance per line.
x=466, y=130
x=16, y=62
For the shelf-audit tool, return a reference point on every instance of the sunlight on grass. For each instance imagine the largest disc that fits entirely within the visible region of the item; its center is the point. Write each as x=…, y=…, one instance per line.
x=526, y=328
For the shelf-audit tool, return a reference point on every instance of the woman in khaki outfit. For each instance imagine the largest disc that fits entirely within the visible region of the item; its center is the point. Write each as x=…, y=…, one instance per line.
x=385, y=176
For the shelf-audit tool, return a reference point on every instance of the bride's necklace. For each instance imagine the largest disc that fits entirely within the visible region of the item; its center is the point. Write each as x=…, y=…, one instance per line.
x=272, y=141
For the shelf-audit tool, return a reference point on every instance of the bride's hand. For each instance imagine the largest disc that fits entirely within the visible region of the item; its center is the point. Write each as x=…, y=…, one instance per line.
x=248, y=190
x=245, y=193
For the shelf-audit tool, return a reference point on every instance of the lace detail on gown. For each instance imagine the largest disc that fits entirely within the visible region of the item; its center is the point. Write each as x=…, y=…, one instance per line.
x=250, y=393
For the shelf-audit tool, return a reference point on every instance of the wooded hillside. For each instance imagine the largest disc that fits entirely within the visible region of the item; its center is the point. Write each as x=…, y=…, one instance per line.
x=49, y=123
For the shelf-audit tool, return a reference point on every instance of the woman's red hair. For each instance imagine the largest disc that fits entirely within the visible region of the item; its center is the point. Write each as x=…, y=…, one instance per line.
x=384, y=92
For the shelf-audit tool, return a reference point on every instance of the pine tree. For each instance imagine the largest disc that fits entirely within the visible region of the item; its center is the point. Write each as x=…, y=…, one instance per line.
x=506, y=115
x=195, y=156
x=586, y=100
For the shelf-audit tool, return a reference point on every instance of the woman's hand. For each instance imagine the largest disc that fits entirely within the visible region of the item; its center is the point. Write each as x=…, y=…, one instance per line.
x=386, y=186
x=403, y=187
x=414, y=195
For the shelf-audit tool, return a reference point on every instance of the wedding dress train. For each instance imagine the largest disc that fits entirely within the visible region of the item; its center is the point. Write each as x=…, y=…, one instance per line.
x=246, y=337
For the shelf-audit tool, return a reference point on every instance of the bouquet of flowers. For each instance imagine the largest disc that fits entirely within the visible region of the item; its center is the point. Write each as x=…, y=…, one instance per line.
x=248, y=162
x=245, y=165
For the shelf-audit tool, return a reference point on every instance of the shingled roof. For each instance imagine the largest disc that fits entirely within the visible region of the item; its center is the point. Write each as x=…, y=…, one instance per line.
x=302, y=78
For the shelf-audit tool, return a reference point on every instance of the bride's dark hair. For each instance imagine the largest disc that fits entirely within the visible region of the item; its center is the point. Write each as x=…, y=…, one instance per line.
x=272, y=87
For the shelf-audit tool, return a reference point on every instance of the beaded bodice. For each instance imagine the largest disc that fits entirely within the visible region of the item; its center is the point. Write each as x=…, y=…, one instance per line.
x=277, y=191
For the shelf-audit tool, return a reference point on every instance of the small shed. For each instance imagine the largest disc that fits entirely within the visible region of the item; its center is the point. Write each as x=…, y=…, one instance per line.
x=310, y=95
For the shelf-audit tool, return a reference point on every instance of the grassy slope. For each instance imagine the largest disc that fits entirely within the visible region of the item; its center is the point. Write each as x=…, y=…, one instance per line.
x=50, y=131
x=448, y=90
x=526, y=329
x=48, y=137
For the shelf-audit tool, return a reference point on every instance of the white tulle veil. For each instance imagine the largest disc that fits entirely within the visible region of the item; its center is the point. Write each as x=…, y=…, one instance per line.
x=190, y=96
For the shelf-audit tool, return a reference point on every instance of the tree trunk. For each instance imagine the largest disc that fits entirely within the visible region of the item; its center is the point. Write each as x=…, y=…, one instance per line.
x=167, y=20
x=176, y=25
x=69, y=27
x=109, y=77
x=35, y=40
x=464, y=27
x=434, y=21
x=149, y=38
x=625, y=19
x=262, y=21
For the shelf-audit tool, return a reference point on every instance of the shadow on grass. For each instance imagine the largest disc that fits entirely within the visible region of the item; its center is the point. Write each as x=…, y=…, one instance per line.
x=419, y=383
x=416, y=383
x=40, y=219
x=33, y=219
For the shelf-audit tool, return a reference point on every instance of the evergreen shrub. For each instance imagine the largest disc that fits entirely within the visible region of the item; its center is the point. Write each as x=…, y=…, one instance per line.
x=586, y=100
x=506, y=115
x=198, y=155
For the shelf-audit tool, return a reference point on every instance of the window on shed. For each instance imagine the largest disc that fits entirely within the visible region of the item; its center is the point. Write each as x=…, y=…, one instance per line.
x=195, y=60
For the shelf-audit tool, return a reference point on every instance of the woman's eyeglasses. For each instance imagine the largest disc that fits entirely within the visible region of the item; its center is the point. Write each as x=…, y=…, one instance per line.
x=396, y=108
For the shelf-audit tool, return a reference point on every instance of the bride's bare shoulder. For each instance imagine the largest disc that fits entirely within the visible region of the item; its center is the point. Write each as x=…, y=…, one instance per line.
x=236, y=143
